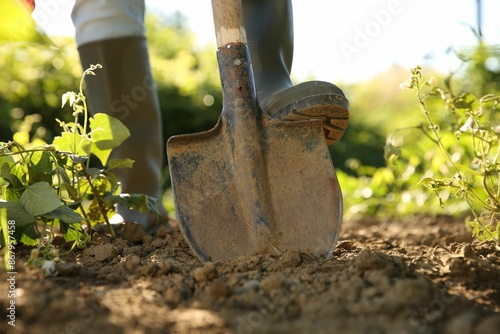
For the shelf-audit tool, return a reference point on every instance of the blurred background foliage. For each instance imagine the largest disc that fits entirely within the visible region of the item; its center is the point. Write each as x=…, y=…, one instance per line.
x=383, y=119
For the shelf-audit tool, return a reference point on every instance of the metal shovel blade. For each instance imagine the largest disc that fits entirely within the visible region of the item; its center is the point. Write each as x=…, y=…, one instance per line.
x=253, y=184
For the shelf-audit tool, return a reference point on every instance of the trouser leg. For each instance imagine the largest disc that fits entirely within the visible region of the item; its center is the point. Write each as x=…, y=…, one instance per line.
x=269, y=27
x=124, y=88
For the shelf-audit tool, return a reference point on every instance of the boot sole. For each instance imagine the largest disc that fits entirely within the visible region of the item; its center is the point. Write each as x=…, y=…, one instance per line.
x=313, y=100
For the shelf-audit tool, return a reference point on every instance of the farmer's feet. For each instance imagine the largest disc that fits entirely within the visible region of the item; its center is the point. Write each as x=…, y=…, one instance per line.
x=269, y=28
x=309, y=100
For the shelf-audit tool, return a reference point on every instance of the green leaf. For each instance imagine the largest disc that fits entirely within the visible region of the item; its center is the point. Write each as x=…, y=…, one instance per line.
x=72, y=232
x=434, y=184
x=10, y=174
x=69, y=142
x=40, y=198
x=6, y=158
x=93, y=172
x=20, y=229
x=10, y=194
x=140, y=202
x=65, y=214
x=20, y=171
x=465, y=101
x=17, y=213
x=102, y=155
x=120, y=163
x=113, y=181
x=107, y=133
x=40, y=160
x=77, y=159
x=5, y=171
x=29, y=236
x=40, y=167
x=72, y=192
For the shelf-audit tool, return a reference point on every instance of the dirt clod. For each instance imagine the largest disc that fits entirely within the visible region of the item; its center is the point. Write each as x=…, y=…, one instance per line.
x=132, y=232
x=135, y=250
x=132, y=263
x=271, y=283
x=173, y=296
x=218, y=289
x=102, y=253
x=206, y=273
x=67, y=268
x=291, y=259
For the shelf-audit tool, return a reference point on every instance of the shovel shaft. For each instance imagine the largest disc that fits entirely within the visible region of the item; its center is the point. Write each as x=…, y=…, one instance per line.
x=228, y=22
x=242, y=116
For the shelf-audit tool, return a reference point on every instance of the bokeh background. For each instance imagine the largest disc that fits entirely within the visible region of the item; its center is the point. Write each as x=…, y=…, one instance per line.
x=365, y=47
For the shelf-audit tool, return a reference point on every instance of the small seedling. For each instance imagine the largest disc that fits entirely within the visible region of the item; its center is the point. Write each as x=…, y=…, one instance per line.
x=53, y=188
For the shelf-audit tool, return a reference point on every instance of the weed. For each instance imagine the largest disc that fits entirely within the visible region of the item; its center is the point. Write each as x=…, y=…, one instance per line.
x=474, y=174
x=53, y=188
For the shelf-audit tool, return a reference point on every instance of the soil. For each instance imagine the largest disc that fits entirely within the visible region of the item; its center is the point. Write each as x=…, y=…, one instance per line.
x=419, y=275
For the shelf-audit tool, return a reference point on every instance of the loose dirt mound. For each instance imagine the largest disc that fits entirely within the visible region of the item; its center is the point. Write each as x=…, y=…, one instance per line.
x=415, y=276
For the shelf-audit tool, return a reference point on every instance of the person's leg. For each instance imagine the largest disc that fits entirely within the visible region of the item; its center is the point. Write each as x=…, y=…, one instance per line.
x=111, y=33
x=269, y=27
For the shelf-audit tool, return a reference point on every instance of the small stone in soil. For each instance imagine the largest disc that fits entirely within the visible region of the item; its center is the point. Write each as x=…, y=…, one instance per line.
x=345, y=245
x=252, y=285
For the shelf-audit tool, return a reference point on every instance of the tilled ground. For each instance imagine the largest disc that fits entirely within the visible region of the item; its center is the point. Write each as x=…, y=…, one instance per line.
x=420, y=275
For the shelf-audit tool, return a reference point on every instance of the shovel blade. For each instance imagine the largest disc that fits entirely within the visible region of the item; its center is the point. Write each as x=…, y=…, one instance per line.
x=295, y=205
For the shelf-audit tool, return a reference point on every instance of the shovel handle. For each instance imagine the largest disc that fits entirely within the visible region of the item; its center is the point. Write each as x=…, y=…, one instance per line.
x=228, y=22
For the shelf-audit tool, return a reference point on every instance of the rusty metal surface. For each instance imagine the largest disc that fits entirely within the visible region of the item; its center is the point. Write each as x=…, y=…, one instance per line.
x=253, y=184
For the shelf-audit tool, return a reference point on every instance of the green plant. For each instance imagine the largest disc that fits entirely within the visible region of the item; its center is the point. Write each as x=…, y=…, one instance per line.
x=53, y=187
x=473, y=156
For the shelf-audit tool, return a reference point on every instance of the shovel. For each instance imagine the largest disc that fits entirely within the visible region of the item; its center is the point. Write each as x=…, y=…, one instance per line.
x=252, y=184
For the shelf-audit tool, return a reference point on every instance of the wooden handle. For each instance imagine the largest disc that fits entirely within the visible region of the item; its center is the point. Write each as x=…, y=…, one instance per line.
x=228, y=22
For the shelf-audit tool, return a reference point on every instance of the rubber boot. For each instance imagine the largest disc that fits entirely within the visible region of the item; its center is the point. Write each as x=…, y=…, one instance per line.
x=124, y=88
x=269, y=28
